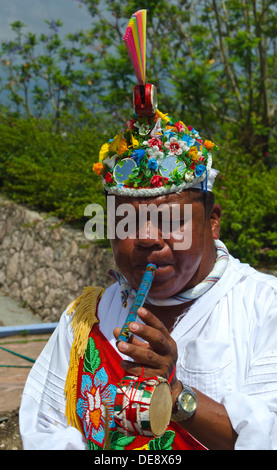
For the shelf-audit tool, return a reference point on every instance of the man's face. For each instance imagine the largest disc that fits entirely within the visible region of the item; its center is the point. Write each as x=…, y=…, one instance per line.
x=176, y=268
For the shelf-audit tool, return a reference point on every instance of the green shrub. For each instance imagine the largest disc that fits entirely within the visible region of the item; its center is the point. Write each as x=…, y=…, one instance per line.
x=47, y=170
x=247, y=193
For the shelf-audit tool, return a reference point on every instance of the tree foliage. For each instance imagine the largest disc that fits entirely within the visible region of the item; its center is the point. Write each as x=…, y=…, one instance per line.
x=214, y=62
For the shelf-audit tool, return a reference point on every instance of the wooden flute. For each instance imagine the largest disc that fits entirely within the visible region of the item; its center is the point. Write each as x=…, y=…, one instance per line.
x=141, y=295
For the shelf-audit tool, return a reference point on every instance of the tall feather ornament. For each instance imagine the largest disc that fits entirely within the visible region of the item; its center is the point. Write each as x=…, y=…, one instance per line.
x=135, y=42
x=145, y=95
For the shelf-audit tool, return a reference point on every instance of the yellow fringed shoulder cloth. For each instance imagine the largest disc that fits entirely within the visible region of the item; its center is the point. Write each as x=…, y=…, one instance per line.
x=84, y=317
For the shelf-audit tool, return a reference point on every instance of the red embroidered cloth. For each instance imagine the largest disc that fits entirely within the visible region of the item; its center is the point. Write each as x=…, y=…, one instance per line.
x=99, y=374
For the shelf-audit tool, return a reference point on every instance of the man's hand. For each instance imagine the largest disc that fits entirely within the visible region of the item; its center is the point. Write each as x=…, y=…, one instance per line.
x=156, y=351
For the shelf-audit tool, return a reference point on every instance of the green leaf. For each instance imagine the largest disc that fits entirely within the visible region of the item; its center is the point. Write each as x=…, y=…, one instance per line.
x=119, y=441
x=165, y=442
x=92, y=359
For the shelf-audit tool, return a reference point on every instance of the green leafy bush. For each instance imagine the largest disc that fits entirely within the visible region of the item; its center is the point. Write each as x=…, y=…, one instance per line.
x=247, y=193
x=47, y=170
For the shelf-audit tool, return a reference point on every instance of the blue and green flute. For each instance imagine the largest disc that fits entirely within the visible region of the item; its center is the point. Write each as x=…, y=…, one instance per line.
x=141, y=295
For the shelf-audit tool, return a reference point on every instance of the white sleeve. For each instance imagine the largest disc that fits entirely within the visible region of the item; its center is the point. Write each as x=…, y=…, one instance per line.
x=42, y=421
x=253, y=409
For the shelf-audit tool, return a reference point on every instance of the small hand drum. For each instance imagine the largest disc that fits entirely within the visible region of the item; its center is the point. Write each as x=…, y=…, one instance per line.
x=143, y=407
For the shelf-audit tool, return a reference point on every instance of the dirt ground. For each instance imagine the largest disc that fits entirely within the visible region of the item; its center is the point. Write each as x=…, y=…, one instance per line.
x=9, y=431
x=16, y=355
x=14, y=371
x=14, y=368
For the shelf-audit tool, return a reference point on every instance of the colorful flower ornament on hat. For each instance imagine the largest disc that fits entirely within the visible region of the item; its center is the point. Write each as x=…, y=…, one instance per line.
x=155, y=154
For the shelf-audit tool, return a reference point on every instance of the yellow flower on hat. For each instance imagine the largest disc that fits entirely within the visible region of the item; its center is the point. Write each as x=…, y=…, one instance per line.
x=209, y=145
x=163, y=117
x=123, y=147
x=98, y=168
x=134, y=142
x=193, y=153
x=103, y=152
x=114, y=144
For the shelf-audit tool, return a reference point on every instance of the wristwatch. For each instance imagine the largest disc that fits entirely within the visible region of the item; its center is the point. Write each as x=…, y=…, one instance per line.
x=186, y=404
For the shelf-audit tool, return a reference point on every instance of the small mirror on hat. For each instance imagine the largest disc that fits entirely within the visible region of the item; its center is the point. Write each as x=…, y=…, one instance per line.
x=171, y=163
x=123, y=170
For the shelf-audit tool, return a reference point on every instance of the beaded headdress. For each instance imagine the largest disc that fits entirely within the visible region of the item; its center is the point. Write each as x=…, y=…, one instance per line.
x=155, y=154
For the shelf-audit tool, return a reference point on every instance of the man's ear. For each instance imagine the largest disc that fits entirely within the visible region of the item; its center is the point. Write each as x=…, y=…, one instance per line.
x=215, y=221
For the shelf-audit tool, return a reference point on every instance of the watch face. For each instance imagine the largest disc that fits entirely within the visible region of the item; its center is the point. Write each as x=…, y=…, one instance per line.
x=188, y=402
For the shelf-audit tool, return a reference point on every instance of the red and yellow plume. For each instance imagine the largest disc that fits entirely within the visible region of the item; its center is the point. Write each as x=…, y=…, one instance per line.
x=135, y=42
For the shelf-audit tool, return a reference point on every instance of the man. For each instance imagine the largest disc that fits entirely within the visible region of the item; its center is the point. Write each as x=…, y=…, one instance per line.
x=176, y=270
x=207, y=325
x=206, y=328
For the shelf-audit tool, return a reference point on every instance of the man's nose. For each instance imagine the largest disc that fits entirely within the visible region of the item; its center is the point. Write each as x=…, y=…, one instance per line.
x=149, y=234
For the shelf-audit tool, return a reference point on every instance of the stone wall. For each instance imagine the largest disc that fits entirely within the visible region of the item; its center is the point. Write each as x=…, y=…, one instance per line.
x=45, y=265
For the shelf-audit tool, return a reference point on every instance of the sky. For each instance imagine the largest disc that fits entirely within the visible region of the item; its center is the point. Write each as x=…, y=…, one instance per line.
x=33, y=13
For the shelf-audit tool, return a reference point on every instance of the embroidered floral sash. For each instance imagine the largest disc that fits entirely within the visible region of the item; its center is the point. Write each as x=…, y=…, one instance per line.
x=98, y=375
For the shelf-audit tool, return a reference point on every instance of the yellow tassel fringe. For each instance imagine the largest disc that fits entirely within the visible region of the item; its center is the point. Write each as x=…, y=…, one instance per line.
x=84, y=310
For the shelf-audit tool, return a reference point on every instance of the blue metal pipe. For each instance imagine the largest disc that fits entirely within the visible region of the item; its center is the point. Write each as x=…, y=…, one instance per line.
x=35, y=329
